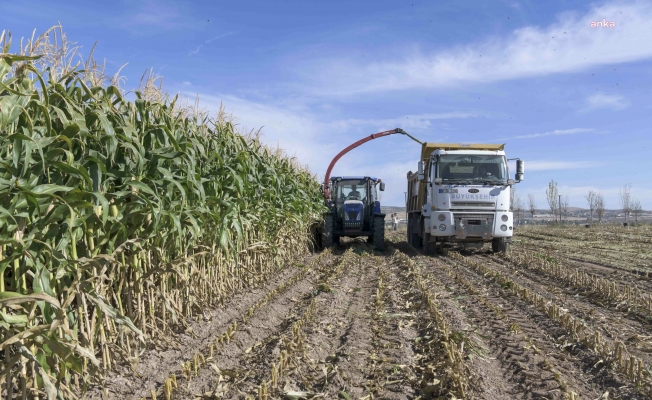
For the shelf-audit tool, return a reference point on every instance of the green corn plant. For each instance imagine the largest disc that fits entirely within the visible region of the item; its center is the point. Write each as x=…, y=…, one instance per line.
x=121, y=219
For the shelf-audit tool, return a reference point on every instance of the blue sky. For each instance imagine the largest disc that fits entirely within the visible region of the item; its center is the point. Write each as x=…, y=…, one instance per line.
x=573, y=101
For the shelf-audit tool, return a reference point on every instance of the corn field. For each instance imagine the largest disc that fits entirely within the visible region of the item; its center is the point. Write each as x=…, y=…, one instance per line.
x=121, y=221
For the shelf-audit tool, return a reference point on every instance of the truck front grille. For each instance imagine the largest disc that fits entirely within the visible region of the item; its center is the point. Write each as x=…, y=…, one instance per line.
x=473, y=225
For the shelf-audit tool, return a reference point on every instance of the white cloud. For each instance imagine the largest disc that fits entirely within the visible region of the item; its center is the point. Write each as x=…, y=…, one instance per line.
x=187, y=83
x=412, y=123
x=567, y=45
x=158, y=14
x=192, y=53
x=555, y=132
x=294, y=128
x=598, y=101
x=555, y=165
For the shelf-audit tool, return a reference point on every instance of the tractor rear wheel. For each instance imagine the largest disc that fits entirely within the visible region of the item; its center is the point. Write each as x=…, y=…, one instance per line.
x=379, y=233
x=327, y=232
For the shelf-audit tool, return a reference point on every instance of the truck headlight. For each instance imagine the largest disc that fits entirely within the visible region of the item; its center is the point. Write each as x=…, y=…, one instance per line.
x=503, y=228
x=504, y=218
x=442, y=227
x=441, y=217
x=346, y=216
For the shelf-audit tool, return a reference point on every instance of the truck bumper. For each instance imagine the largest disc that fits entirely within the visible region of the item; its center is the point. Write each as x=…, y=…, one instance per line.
x=460, y=226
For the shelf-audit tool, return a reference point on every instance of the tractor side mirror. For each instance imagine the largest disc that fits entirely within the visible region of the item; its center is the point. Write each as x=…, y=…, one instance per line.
x=382, y=186
x=520, y=169
x=420, y=173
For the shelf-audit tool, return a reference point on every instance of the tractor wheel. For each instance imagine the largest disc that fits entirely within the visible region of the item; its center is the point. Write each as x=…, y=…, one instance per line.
x=499, y=245
x=327, y=232
x=379, y=233
x=316, y=237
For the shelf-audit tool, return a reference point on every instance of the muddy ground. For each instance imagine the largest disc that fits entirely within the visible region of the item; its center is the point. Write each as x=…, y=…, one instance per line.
x=353, y=323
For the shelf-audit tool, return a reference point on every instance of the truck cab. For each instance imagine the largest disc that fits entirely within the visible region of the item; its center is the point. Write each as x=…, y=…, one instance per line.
x=461, y=194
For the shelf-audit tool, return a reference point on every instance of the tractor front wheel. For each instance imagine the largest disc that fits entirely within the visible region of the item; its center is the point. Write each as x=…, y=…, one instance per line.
x=327, y=232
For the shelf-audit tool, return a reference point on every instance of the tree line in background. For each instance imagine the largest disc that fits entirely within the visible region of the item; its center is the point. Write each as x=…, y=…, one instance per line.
x=558, y=204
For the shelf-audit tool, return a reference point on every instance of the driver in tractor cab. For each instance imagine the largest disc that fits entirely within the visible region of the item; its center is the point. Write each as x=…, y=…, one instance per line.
x=354, y=193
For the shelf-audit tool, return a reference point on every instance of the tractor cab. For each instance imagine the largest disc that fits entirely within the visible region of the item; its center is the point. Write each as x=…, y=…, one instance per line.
x=354, y=206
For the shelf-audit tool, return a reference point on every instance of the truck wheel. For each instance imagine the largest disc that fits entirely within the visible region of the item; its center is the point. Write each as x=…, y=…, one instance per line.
x=409, y=231
x=429, y=247
x=417, y=232
x=379, y=233
x=416, y=239
x=336, y=239
x=499, y=245
x=327, y=232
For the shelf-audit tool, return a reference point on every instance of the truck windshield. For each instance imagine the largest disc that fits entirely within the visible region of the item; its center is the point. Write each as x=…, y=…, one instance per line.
x=468, y=168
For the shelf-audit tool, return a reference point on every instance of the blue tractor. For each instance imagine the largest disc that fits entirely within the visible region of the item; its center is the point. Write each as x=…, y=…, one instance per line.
x=354, y=210
x=352, y=201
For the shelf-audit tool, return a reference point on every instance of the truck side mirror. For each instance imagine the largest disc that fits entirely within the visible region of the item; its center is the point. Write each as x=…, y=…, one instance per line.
x=437, y=181
x=382, y=186
x=420, y=172
x=520, y=169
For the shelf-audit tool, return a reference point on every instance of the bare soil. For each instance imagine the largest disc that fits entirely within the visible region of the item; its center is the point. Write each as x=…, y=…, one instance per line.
x=354, y=324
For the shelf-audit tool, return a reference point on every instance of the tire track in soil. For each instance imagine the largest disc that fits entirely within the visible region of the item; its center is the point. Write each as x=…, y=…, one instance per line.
x=614, y=324
x=352, y=344
x=427, y=369
x=576, y=366
x=246, y=359
x=508, y=367
x=339, y=338
x=154, y=366
x=396, y=331
x=352, y=348
x=491, y=378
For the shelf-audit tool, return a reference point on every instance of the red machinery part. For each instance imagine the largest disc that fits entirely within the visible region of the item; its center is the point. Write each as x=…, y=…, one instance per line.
x=353, y=146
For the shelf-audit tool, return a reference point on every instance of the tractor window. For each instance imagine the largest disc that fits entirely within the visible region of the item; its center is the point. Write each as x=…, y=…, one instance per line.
x=352, y=190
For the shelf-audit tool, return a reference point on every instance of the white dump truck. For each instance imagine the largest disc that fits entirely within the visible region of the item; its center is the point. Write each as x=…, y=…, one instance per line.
x=461, y=194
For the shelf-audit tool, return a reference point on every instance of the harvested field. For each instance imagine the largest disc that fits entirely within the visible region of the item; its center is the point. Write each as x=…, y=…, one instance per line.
x=537, y=322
